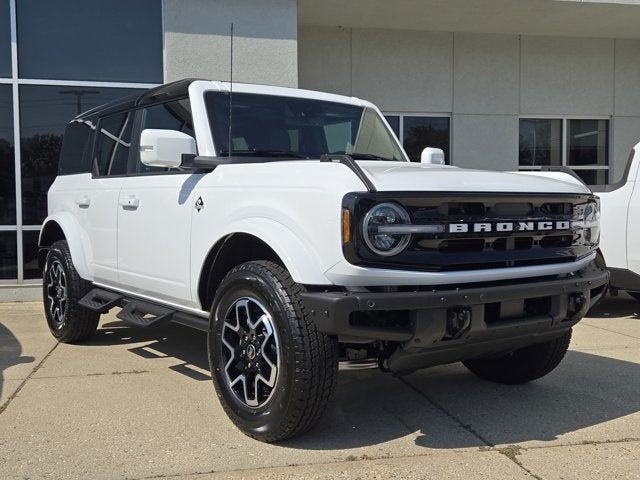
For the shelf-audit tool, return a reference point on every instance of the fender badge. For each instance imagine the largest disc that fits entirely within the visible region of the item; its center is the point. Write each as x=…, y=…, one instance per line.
x=199, y=204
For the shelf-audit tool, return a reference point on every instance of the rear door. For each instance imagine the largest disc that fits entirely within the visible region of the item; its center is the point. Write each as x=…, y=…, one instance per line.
x=110, y=160
x=154, y=215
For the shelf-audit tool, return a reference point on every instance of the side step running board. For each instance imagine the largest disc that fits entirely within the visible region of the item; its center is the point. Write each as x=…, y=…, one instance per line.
x=138, y=312
x=143, y=314
x=100, y=301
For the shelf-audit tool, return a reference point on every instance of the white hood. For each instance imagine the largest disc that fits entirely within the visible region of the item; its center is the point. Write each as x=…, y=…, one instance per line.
x=405, y=176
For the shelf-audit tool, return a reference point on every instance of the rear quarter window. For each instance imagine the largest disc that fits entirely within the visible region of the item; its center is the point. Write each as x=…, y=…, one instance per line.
x=74, y=156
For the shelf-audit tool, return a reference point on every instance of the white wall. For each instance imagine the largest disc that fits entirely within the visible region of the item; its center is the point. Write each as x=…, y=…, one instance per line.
x=484, y=81
x=265, y=40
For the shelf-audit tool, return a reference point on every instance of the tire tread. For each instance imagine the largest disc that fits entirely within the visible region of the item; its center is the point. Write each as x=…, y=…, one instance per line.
x=316, y=356
x=81, y=323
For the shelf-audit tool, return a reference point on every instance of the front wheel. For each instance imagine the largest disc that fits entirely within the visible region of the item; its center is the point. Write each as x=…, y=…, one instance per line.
x=273, y=371
x=522, y=365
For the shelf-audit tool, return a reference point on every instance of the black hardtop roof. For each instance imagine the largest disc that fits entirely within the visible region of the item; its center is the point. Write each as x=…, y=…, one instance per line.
x=165, y=92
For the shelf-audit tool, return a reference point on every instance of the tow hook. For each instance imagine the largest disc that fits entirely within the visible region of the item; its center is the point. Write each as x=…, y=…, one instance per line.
x=458, y=322
x=577, y=305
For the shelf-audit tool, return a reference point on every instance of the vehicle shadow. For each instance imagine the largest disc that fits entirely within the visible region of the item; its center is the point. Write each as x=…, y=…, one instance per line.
x=187, y=345
x=10, y=353
x=623, y=305
x=439, y=407
x=443, y=405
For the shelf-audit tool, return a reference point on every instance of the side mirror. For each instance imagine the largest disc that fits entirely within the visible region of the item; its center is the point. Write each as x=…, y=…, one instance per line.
x=164, y=148
x=433, y=156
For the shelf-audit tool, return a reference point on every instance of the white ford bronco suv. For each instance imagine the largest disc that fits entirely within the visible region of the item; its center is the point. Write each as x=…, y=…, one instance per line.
x=291, y=227
x=620, y=246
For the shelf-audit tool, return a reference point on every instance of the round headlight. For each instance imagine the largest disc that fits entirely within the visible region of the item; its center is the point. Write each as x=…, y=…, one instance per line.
x=379, y=232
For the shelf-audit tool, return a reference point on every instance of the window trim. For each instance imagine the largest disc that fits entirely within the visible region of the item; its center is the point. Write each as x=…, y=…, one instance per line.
x=565, y=120
x=135, y=140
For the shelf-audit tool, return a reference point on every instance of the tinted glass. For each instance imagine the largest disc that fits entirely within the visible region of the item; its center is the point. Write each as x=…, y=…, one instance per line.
x=7, y=166
x=75, y=142
x=113, y=144
x=8, y=255
x=115, y=40
x=394, y=123
x=5, y=39
x=30, y=253
x=44, y=114
x=422, y=132
x=540, y=142
x=296, y=127
x=587, y=142
x=175, y=115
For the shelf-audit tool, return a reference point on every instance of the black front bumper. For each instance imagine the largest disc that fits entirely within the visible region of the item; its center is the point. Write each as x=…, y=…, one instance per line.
x=456, y=323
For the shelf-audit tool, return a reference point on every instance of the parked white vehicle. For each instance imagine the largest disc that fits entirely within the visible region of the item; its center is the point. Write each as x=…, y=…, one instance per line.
x=620, y=203
x=293, y=229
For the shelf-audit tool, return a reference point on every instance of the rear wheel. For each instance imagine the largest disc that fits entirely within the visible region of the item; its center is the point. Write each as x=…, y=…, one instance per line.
x=274, y=373
x=62, y=287
x=522, y=365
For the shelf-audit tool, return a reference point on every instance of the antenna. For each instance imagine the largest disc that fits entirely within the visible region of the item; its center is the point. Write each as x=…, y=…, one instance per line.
x=230, y=148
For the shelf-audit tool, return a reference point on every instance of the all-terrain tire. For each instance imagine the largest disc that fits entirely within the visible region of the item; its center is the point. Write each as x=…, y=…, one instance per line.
x=72, y=323
x=307, y=359
x=522, y=365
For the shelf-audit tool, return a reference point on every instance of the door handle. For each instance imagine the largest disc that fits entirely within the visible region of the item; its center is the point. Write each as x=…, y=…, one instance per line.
x=83, y=201
x=129, y=203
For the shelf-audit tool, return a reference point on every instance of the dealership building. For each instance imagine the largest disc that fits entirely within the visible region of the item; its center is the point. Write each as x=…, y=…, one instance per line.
x=497, y=84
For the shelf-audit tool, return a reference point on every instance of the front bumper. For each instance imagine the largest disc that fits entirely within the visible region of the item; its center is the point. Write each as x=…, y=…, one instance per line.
x=459, y=322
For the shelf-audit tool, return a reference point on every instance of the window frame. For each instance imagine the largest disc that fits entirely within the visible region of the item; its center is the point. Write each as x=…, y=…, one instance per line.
x=135, y=141
x=564, y=143
x=402, y=114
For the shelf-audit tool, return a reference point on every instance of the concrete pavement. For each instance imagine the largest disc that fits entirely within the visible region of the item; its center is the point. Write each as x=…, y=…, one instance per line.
x=140, y=404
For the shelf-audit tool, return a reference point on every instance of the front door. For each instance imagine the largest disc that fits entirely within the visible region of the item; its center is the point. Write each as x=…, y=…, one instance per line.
x=154, y=215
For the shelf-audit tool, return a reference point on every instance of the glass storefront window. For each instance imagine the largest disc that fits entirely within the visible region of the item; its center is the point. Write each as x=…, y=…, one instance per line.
x=8, y=256
x=418, y=132
x=540, y=142
x=5, y=39
x=394, y=123
x=116, y=41
x=422, y=132
x=7, y=162
x=581, y=144
x=44, y=114
x=593, y=177
x=30, y=254
x=587, y=142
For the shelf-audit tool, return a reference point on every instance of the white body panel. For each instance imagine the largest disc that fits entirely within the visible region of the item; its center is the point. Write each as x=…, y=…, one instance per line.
x=154, y=223
x=294, y=206
x=620, y=223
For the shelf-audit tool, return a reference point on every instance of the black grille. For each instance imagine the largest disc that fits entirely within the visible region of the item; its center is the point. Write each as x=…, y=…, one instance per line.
x=502, y=230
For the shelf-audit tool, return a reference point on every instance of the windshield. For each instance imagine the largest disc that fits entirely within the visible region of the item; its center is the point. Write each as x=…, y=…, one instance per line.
x=298, y=128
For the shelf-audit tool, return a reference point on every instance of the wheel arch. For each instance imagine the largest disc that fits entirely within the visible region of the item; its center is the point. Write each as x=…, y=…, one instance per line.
x=231, y=250
x=262, y=241
x=64, y=227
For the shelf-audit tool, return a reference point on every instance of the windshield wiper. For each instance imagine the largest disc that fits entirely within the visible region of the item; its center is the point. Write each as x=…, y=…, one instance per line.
x=370, y=156
x=264, y=153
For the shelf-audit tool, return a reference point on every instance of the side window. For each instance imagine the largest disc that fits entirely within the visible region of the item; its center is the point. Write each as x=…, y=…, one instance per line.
x=113, y=144
x=74, y=157
x=174, y=115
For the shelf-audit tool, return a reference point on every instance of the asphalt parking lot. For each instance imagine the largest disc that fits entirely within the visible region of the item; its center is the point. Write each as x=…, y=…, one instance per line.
x=139, y=404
